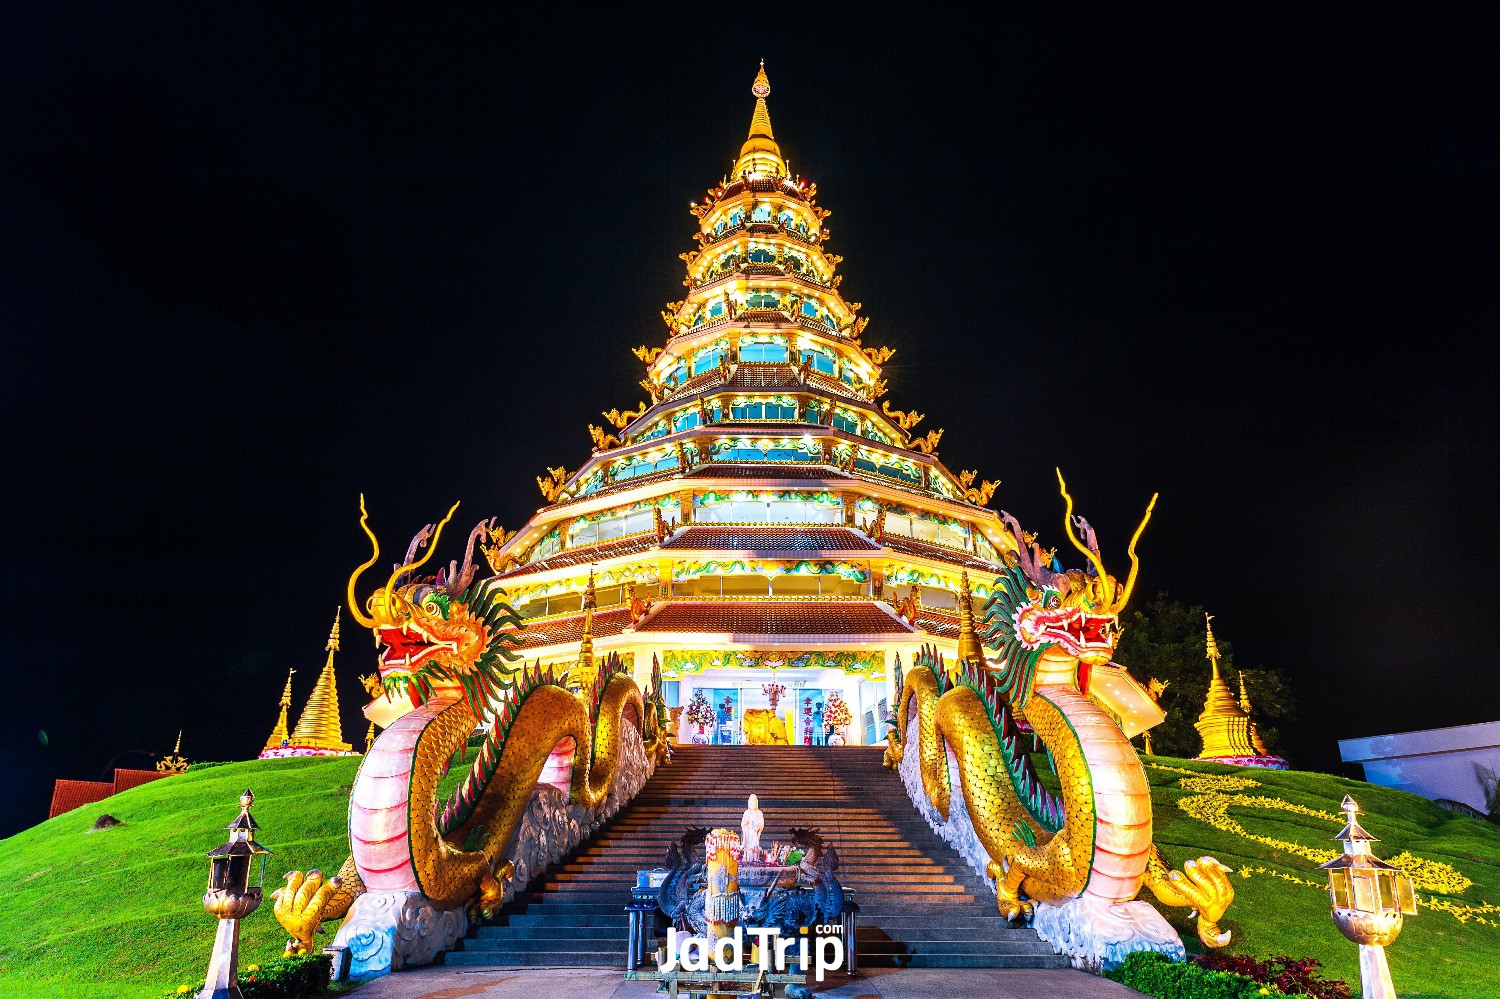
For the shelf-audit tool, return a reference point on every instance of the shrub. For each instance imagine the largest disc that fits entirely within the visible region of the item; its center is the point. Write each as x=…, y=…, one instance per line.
x=1162, y=978
x=302, y=977
x=1286, y=973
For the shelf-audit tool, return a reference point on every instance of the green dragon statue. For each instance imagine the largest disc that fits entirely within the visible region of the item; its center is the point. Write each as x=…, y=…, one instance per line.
x=1050, y=630
x=447, y=646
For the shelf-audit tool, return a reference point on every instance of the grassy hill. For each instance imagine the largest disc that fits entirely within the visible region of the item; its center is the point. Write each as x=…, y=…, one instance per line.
x=116, y=912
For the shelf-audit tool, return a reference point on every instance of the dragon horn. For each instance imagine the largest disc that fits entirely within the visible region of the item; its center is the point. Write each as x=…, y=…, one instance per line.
x=1026, y=555
x=1135, y=563
x=364, y=522
x=402, y=570
x=459, y=579
x=1090, y=554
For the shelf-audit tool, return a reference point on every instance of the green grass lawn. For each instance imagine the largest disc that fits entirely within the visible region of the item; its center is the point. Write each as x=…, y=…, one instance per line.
x=116, y=913
x=1439, y=954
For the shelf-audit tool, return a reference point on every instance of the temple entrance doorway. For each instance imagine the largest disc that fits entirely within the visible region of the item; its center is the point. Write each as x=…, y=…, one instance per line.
x=761, y=707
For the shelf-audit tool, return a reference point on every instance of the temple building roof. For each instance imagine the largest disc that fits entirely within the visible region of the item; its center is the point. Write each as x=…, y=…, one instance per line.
x=633, y=545
x=775, y=618
x=563, y=630
x=771, y=539
x=939, y=553
x=725, y=470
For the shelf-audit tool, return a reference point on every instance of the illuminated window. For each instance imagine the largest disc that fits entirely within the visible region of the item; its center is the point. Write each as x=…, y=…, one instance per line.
x=685, y=421
x=763, y=300
x=820, y=361
x=545, y=547
x=763, y=352
x=761, y=255
x=659, y=430
x=762, y=213
x=612, y=527
x=708, y=360
x=638, y=467
x=810, y=308
x=845, y=422
x=758, y=409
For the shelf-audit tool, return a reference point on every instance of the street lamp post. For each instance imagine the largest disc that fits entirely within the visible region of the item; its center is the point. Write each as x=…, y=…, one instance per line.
x=1370, y=900
x=230, y=898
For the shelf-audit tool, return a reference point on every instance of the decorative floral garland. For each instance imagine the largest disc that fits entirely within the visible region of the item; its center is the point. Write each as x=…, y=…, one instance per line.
x=1215, y=794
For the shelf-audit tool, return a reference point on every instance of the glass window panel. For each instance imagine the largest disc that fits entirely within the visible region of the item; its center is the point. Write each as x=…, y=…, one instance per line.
x=1338, y=883
x=1366, y=898
x=1406, y=895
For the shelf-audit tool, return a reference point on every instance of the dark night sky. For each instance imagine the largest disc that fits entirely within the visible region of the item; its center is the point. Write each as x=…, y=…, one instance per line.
x=255, y=260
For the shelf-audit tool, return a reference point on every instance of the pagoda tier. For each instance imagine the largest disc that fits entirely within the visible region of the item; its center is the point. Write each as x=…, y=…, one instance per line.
x=764, y=516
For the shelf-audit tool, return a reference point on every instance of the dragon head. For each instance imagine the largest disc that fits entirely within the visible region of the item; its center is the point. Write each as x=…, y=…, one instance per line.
x=431, y=636
x=1035, y=605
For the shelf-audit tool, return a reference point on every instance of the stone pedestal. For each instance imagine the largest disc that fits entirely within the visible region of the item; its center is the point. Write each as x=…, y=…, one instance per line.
x=1375, y=973
x=224, y=966
x=391, y=930
x=1098, y=935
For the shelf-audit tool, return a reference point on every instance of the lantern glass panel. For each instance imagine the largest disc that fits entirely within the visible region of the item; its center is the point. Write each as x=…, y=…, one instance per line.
x=1366, y=895
x=218, y=873
x=1338, y=887
x=239, y=874
x=1388, y=900
x=1407, y=895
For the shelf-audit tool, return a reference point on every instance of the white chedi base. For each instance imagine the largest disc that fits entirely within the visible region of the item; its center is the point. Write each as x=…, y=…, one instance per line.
x=1098, y=935
x=390, y=930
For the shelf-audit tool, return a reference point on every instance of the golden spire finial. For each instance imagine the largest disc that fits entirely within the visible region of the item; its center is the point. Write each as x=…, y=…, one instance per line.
x=969, y=648
x=319, y=727
x=333, y=636
x=1224, y=725
x=760, y=154
x=173, y=762
x=279, y=734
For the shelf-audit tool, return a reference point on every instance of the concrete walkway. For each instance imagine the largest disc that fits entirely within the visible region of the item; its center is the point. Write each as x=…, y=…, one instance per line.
x=592, y=983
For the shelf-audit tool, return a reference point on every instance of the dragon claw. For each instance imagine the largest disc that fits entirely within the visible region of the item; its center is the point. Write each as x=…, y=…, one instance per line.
x=299, y=908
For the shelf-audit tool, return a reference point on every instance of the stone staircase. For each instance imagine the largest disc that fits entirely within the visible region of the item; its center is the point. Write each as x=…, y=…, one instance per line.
x=920, y=905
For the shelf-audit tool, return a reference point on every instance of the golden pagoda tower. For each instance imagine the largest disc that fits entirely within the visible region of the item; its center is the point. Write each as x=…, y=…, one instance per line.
x=1260, y=747
x=1228, y=733
x=762, y=505
x=279, y=734
x=318, y=731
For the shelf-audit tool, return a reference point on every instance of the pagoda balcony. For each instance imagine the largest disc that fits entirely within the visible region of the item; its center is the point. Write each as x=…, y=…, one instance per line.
x=761, y=270
x=762, y=229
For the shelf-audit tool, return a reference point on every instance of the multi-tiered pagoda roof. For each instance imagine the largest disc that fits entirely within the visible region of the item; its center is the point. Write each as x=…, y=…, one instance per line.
x=765, y=493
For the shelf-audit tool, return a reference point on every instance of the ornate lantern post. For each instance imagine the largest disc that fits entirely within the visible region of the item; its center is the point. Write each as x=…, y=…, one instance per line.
x=1370, y=900
x=230, y=898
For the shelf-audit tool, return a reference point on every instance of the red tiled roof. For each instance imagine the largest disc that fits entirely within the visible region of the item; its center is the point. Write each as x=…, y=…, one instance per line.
x=127, y=779
x=771, y=539
x=591, y=553
x=70, y=794
x=570, y=629
x=725, y=470
x=776, y=618
x=764, y=376
x=937, y=622
x=911, y=546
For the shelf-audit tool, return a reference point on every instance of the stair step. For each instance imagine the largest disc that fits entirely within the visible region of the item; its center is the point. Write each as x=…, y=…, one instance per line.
x=921, y=905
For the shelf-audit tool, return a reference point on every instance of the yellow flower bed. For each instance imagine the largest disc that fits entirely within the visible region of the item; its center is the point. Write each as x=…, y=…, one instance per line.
x=1215, y=794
